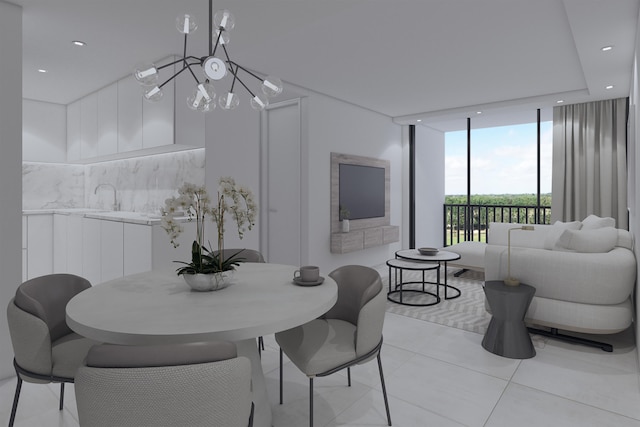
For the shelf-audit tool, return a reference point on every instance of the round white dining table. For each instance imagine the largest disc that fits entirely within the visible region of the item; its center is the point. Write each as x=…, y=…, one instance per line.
x=158, y=307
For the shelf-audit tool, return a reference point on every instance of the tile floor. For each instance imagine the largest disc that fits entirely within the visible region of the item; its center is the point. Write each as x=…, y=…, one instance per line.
x=436, y=376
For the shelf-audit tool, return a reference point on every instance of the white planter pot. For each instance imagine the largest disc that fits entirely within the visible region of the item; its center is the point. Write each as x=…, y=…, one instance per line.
x=345, y=225
x=210, y=282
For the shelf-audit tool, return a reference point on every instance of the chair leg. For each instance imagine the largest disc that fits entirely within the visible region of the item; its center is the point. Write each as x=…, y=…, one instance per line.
x=15, y=401
x=311, y=402
x=384, y=390
x=349, y=375
x=61, y=396
x=281, y=376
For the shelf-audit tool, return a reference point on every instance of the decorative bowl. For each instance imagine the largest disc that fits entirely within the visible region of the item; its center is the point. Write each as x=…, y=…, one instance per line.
x=209, y=282
x=428, y=251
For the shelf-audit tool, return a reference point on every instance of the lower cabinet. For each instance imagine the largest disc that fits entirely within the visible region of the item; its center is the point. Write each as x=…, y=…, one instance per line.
x=137, y=248
x=96, y=249
x=38, y=253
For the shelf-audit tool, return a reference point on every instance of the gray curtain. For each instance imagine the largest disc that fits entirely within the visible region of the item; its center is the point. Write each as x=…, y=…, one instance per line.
x=590, y=161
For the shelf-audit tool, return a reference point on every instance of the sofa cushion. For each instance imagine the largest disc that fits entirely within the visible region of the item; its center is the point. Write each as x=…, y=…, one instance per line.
x=499, y=235
x=593, y=221
x=598, y=240
x=556, y=230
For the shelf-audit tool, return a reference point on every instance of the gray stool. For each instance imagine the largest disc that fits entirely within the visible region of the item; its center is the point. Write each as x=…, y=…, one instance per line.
x=507, y=334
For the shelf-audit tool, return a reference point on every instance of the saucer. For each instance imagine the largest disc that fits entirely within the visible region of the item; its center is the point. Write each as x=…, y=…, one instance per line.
x=314, y=283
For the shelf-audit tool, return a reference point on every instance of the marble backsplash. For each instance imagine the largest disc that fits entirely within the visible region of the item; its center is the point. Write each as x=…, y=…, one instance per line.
x=141, y=183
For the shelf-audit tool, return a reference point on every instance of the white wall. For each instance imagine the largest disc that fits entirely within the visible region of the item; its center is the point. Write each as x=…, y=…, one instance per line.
x=233, y=148
x=335, y=126
x=10, y=169
x=429, y=186
x=44, y=131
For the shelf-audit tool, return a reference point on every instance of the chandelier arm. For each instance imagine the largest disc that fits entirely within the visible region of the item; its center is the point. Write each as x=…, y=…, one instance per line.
x=217, y=43
x=246, y=71
x=173, y=77
x=192, y=73
x=170, y=64
x=235, y=77
x=184, y=50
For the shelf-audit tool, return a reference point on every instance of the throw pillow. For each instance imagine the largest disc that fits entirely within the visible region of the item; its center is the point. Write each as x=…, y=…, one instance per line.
x=597, y=240
x=593, y=221
x=556, y=230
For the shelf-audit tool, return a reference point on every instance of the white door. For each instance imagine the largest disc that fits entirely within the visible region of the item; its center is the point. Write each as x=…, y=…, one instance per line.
x=280, y=189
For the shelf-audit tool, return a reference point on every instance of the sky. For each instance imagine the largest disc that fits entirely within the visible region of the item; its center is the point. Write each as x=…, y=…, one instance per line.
x=503, y=160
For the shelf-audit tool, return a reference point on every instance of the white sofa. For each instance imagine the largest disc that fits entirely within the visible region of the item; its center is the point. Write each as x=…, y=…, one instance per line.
x=584, y=273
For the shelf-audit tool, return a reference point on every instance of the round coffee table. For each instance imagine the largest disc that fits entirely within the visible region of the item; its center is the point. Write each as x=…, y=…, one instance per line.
x=412, y=259
x=507, y=334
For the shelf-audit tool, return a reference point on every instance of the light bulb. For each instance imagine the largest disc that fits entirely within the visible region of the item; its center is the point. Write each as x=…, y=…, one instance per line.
x=186, y=24
x=224, y=19
x=146, y=74
x=228, y=101
x=224, y=37
x=272, y=86
x=153, y=94
x=259, y=102
x=202, y=95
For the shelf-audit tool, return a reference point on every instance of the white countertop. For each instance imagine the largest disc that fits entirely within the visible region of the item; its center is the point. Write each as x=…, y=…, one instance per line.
x=120, y=216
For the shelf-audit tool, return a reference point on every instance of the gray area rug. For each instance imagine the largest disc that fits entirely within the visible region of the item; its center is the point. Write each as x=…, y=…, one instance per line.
x=466, y=312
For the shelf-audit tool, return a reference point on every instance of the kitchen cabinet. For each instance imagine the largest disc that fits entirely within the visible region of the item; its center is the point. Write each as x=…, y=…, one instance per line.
x=129, y=115
x=108, y=120
x=39, y=250
x=137, y=248
x=111, y=250
x=74, y=245
x=74, y=139
x=91, y=261
x=60, y=246
x=157, y=119
x=89, y=126
x=24, y=248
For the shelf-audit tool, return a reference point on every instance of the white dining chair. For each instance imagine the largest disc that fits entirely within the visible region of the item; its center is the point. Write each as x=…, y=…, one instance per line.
x=189, y=384
x=45, y=349
x=349, y=334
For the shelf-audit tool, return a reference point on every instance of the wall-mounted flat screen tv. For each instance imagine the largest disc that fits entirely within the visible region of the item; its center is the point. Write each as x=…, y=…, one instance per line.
x=362, y=191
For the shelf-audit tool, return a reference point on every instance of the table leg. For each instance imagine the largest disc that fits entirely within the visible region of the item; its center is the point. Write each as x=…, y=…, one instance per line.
x=262, y=414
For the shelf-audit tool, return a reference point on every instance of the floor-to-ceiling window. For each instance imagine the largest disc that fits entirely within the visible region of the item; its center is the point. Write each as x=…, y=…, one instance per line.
x=505, y=177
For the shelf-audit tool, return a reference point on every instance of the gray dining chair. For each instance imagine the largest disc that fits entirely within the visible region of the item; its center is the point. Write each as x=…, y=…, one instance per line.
x=45, y=349
x=188, y=384
x=246, y=255
x=349, y=334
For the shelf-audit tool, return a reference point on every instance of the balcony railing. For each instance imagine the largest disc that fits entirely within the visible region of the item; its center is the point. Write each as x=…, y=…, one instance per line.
x=470, y=222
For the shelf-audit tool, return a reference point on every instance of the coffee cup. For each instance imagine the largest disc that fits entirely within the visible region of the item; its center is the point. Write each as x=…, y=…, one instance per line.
x=307, y=273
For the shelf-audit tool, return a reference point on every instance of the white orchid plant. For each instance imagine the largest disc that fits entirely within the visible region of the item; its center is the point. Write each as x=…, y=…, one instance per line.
x=232, y=200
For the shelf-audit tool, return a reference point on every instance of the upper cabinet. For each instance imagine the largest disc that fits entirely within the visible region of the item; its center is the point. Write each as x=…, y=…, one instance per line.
x=108, y=120
x=89, y=126
x=129, y=115
x=116, y=122
x=74, y=139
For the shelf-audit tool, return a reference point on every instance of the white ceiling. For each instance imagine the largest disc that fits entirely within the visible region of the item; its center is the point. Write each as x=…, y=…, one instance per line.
x=439, y=60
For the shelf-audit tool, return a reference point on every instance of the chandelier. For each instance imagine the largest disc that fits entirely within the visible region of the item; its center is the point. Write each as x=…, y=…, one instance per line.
x=203, y=97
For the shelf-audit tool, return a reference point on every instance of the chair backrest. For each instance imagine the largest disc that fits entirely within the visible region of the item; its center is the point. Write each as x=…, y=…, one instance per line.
x=46, y=297
x=245, y=255
x=164, y=385
x=361, y=302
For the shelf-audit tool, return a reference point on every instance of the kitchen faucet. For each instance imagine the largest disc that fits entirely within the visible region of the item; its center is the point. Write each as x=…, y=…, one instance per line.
x=116, y=205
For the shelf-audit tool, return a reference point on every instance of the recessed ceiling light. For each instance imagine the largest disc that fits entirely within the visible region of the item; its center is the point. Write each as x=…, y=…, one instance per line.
x=42, y=70
x=607, y=48
x=559, y=101
x=78, y=43
x=478, y=112
x=419, y=120
x=609, y=87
